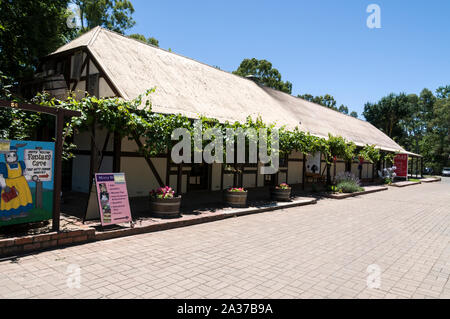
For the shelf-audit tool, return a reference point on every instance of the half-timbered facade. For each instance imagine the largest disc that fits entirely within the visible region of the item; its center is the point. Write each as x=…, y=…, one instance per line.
x=107, y=64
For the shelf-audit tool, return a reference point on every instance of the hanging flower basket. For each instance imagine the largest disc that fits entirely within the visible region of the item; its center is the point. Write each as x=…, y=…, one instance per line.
x=164, y=203
x=281, y=193
x=236, y=197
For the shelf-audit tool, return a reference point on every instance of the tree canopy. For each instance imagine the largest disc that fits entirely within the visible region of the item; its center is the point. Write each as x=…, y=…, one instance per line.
x=387, y=113
x=419, y=123
x=115, y=15
x=29, y=30
x=142, y=38
x=265, y=74
x=327, y=100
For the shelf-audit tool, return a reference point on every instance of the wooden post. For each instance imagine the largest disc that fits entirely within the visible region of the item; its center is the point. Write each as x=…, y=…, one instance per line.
x=334, y=169
x=304, y=172
x=167, y=170
x=421, y=167
x=117, y=149
x=328, y=174
x=257, y=174
x=221, y=176
x=93, y=156
x=58, y=170
x=373, y=172
x=179, y=179
x=417, y=167
x=287, y=169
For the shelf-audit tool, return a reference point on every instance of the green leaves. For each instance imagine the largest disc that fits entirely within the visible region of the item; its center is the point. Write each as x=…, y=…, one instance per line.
x=370, y=153
x=114, y=15
x=265, y=73
x=142, y=38
x=328, y=101
x=30, y=29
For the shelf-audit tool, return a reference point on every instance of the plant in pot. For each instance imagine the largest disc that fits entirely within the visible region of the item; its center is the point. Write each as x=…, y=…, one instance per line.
x=281, y=193
x=236, y=197
x=164, y=203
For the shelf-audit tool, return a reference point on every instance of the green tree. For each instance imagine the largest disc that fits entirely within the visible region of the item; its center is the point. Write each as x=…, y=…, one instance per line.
x=343, y=109
x=29, y=30
x=387, y=113
x=443, y=92
x=418, y=123
x=354, y=114
x=435, y=145
x=327, y=100
x=426, y=100
x=265, y=74
x=114, y=15
x=142, y=38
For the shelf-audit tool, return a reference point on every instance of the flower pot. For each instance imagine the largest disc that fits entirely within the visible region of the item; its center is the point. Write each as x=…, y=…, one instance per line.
x=236, y=199
x=281, y=195
x=165, y=208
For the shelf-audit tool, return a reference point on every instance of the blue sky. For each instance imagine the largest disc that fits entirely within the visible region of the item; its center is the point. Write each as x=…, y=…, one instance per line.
x=320, y=46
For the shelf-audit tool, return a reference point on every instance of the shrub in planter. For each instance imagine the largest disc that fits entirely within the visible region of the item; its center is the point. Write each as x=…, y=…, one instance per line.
x=348, y=187
x=281, y=193
x=346, y=177
x=347, y=183
x=236, y=197
x=164, y=203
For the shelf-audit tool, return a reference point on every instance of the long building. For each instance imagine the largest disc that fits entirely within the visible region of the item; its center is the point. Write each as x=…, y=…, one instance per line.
x=106, y=64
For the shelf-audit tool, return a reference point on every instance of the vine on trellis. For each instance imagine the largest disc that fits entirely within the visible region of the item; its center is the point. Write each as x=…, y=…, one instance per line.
x=134, y=119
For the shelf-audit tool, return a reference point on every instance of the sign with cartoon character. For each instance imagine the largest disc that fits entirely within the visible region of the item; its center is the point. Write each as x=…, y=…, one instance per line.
x=26, y=181
x=313, y=163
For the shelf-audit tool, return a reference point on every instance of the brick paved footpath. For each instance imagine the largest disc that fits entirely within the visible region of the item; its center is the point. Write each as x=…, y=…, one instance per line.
x=316, y=251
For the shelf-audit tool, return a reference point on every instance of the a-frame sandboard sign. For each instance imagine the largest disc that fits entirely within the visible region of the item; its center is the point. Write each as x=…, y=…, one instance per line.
x=108, y=200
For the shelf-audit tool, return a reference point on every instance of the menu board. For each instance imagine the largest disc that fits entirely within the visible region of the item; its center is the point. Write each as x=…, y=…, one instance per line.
x=112, y=194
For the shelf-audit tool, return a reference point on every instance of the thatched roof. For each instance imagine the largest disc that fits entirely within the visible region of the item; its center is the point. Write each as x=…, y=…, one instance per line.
x=192, y=88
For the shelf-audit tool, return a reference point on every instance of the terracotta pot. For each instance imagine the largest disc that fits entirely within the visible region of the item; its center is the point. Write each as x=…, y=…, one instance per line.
x=236, y=199
x=281, y=195
x=165, y=208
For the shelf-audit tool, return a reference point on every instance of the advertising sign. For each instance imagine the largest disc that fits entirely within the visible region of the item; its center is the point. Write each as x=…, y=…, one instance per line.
x=26, y=181
x=313, y=163
x=39, y=162
x=112, y=197
x=401, y=163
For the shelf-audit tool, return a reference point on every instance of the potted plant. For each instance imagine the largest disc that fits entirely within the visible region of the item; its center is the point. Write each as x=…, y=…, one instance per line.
x=236, y=197
x=164, y=203
x=281, y=193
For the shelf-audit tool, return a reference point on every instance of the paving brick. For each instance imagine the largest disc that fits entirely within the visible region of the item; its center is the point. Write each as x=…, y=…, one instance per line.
x=317, y=251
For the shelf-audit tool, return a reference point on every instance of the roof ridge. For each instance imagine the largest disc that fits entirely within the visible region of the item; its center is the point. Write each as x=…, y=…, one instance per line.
x=95, y=31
